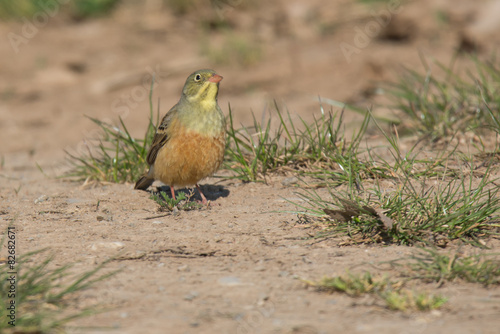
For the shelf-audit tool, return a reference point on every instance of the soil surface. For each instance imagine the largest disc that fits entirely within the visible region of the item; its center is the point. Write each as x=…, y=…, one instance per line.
x=235, y=267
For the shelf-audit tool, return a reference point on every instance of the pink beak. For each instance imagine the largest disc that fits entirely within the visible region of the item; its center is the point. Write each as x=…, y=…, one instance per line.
x=215, y=78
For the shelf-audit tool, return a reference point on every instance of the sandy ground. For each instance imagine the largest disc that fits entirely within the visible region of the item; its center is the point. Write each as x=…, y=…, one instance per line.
x=234, y=267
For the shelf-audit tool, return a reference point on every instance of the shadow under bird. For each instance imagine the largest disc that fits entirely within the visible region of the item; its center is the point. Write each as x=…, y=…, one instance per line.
x=190, y=141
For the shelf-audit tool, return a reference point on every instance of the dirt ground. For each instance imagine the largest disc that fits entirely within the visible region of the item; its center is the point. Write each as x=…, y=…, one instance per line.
x=235, y=267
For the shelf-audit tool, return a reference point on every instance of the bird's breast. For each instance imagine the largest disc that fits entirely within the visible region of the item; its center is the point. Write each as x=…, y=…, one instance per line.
x=189, y=156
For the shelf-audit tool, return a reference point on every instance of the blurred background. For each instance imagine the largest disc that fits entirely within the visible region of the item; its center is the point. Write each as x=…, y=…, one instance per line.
x=64, y=59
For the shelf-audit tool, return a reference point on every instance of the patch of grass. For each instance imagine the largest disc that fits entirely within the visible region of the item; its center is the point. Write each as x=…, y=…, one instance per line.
x=425, y=209
x=427, y=265
x=431, y=265
x=44, y=295
x=434, y=200
x=79, y=9
x=205, y=9
x=118, y=157
x=442, y=104
x=352, y=285
x=319, y=149
x=254, y=151
x=16, y=9
x=182, y=201
x=92, y=8
x=431, y=214
x=407, y=300
x=495, y=119
x=394, y=296
x=411, y=165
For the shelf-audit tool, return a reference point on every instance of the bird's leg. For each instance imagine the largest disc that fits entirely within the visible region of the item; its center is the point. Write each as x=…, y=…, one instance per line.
x=173, y=192
x=203, y=198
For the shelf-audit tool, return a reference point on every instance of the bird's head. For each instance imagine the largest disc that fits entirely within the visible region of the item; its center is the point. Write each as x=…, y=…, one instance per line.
x=202, y=87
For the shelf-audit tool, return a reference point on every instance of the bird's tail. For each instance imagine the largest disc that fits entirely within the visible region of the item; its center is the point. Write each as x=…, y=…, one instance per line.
x=144, y=182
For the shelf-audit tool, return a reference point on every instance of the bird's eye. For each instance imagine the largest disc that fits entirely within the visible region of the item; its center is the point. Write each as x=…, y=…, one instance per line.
x=197, y=77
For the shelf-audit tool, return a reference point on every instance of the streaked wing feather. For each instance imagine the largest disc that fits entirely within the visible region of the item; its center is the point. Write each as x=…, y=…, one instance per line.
x=160, y=137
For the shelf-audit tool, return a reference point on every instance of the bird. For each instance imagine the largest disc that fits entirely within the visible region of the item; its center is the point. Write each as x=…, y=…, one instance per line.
x=190, y=141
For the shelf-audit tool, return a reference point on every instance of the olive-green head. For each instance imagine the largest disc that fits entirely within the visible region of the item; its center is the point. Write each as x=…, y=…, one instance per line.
x=202, y=87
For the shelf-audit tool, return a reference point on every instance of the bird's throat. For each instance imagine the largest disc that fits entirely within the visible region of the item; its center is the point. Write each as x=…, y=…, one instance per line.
x=206, y=96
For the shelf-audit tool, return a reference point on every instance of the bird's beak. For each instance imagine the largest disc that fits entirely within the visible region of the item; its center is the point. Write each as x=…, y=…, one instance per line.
x=215, y=78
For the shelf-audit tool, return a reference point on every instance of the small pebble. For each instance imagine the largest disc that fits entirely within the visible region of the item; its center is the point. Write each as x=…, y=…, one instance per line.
x=229, y=281
x=192, y=295
x=184, y=268
x=283, y=274
x=107, y=245
x=73, y=200
x=287, y=182
x=41, y=199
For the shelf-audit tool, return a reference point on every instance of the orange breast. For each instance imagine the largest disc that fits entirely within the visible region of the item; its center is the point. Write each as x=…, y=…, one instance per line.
x=188, y=157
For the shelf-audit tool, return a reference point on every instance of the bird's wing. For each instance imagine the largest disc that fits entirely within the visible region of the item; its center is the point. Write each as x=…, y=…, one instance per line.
x=161, y=136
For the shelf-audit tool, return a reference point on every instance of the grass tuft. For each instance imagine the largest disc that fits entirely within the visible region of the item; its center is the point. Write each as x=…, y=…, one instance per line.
x=414, y=211
x=394, y=296
x=118, y=157
x=78, y=9
x=182, y=202
x=452, y=199
x=433, y=266
x=319, y=149
x=44, y=295
x=350, y=284
x=407, y=300
x=443, y=103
